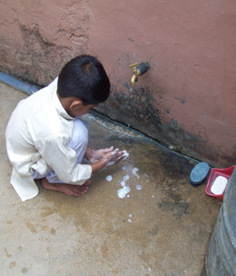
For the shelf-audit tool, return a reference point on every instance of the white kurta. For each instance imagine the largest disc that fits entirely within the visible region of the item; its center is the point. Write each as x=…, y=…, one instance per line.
x=37, y=138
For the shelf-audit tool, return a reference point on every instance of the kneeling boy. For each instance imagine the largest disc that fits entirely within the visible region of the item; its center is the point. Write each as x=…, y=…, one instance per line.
x=46, y=140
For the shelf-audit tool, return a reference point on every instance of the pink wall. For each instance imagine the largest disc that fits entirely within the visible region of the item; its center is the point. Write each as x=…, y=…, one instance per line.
x=187, y=98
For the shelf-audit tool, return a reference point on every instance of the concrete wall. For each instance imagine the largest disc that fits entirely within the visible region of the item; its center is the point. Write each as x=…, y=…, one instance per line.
x=187, y=98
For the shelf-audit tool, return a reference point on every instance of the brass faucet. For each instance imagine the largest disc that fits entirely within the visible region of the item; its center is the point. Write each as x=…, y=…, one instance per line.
x=138, y=70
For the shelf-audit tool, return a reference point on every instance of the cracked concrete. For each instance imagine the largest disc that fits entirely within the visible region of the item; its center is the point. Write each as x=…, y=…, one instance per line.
x=160, y=230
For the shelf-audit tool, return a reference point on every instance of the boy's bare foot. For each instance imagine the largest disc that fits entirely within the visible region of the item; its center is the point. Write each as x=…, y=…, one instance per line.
x=72, y=190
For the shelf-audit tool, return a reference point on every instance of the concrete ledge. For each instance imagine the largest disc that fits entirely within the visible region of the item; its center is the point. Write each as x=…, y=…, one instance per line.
x=23, y=86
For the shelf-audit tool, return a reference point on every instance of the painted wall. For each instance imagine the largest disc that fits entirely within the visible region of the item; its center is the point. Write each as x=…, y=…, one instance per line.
x=186, y=100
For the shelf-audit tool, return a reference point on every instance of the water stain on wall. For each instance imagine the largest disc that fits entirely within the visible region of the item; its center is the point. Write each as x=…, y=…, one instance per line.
x=141, y=109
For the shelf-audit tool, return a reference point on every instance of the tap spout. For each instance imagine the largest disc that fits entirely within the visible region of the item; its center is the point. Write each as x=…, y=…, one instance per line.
x=134, y=78
x=138, y=70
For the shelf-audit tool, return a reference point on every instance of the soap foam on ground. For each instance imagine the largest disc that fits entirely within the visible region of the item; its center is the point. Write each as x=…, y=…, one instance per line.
x=109, y=178
x=139, y=187
x=123, y=192
x=126, y=177
x=134, y=171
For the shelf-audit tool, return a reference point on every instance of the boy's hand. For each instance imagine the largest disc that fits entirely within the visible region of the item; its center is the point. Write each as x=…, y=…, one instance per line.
x=108, y=159
x=113, y=157
x=98, y=154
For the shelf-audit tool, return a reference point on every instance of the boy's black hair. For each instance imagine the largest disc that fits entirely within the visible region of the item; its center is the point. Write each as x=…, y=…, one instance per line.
x=85, y=78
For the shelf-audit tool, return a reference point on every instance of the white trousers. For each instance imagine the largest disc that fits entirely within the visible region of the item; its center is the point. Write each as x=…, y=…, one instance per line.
x=78, y=143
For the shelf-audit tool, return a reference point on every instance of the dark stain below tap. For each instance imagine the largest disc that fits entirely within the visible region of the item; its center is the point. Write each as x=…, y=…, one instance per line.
x=141, y=109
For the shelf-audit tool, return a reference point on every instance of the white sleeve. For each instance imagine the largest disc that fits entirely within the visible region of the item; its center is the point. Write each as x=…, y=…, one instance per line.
x=63, y=160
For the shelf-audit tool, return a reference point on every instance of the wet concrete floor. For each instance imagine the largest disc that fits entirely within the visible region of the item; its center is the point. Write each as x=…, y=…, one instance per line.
x=162, y=229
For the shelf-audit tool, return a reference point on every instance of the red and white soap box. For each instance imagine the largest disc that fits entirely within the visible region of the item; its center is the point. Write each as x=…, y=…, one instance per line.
x=214, y=174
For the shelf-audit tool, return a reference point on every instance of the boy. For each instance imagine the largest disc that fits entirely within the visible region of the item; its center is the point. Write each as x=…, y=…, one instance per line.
x=46, y=140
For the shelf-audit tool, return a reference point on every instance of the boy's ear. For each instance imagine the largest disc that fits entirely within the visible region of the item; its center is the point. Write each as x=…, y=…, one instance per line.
x=76, y=103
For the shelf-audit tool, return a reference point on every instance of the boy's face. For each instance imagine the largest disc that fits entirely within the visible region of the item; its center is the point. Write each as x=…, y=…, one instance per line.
x=79, y=109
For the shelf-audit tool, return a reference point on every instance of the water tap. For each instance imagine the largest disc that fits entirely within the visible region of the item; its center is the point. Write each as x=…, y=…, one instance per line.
x=138, y=70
